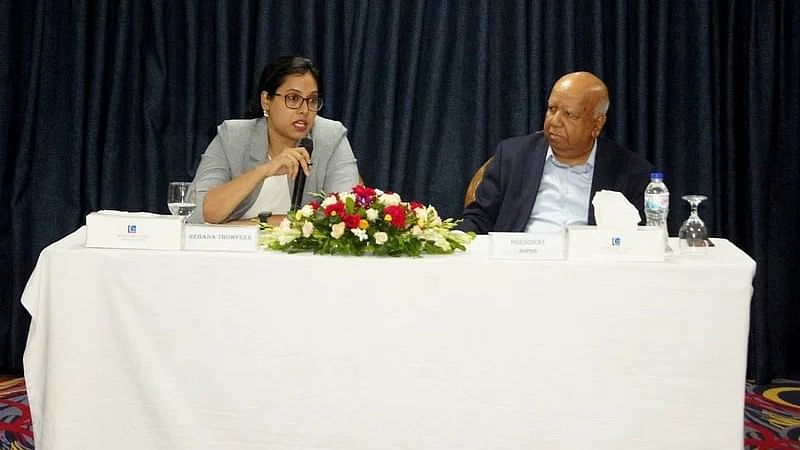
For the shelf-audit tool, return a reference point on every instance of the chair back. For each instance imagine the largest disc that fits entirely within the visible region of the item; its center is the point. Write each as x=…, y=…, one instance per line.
x=469, y=197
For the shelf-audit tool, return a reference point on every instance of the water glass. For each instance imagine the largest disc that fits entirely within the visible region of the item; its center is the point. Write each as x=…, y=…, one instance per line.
x=693, y=235
x=180, y=199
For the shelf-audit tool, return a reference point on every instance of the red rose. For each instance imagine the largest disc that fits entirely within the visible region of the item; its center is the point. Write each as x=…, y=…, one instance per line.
x=337, y=208
x=415, y=204
x=363, y=191
x=315, y=204
x=397, y=214
x=351, y=220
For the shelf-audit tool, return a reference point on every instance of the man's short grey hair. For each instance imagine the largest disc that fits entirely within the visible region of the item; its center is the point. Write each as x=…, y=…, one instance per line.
x=601, y=107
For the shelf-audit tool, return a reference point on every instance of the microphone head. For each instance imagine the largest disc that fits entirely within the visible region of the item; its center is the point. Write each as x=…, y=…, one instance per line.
x=308, y=144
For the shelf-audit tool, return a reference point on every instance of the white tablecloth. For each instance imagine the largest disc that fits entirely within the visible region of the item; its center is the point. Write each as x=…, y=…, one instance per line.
x=133, y=349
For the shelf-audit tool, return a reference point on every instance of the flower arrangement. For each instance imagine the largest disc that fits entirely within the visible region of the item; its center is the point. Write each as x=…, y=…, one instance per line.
x=364, y=221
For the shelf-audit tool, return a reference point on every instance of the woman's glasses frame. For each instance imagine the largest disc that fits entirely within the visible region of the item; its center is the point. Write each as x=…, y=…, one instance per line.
x=295, y=101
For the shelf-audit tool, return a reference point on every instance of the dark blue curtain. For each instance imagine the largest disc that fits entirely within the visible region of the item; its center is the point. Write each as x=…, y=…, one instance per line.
x=103, y=102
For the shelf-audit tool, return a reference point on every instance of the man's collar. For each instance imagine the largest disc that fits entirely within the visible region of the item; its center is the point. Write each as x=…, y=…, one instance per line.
x=589, y=162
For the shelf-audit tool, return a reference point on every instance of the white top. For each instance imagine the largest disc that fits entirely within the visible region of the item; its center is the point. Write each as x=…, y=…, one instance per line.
x=274, y=197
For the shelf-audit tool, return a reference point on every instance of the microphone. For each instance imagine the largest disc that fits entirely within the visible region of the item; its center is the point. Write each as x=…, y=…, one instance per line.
x=300, y=180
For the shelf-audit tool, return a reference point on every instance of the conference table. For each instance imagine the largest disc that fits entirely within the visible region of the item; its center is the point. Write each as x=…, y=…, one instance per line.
x=132, y=349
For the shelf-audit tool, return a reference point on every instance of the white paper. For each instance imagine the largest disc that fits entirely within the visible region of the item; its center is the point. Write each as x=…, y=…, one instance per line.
x=612, y=209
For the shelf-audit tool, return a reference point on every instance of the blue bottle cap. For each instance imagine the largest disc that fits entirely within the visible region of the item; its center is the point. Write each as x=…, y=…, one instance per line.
x=656, y=175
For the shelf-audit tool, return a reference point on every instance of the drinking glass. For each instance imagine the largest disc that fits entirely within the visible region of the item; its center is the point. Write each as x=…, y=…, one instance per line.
x=180, y=199
x=693, y=236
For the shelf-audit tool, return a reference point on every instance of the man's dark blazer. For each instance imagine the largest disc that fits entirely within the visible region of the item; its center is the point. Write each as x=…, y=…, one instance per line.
x=505, y=197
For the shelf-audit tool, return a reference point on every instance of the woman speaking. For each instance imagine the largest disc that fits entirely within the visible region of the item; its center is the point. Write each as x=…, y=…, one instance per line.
x=251, y=165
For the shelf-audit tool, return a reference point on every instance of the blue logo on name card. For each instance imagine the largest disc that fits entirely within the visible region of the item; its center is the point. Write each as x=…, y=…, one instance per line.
x=616, y=241
x=131, y=229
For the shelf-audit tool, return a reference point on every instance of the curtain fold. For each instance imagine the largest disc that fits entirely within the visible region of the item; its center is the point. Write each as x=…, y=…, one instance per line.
x=105, y=102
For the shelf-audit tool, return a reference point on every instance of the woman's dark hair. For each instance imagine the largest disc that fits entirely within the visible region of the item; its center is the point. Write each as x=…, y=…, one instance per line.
x=274, y=74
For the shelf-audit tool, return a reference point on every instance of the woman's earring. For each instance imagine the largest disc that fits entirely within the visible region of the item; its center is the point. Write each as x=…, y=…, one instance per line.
x=266, y=113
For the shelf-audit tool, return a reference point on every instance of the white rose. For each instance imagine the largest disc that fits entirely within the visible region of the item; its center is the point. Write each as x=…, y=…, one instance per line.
x=337, y=230
x=329, y=200
x=416, y=231
x=308, y=228
x=372, y=214
x=390, y=199
x=381, y=237
x=307, y=211
x=285, y=224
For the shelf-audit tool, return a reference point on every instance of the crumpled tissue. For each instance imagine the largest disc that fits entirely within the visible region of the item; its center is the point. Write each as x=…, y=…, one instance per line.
x=612, y=209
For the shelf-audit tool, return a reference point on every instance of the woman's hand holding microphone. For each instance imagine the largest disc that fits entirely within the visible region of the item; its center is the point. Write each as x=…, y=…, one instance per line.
x=289, y=162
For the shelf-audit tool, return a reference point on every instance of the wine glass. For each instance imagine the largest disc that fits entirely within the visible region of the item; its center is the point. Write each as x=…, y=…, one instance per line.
x=180, y=199
x=693, y=236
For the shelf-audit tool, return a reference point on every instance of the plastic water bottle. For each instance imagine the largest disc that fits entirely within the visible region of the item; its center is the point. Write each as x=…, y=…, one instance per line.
x=656, y=202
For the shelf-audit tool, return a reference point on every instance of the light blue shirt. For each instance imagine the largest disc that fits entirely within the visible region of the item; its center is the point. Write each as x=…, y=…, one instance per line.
x=563, y=197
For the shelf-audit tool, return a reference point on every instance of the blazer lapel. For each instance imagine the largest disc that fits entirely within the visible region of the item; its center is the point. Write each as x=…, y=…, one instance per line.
x=257, y=153
x=530, y=188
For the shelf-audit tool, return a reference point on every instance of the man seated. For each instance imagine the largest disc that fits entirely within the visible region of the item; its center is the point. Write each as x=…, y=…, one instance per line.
x=545, y=181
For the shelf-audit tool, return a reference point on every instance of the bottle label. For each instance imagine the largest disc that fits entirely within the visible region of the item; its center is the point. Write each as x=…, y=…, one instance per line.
x=656, y=201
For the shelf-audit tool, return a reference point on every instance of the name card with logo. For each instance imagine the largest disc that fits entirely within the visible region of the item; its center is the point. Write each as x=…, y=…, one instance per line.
x=547, y=246
x=140, y=230
x=592, y=243
x=222, y=238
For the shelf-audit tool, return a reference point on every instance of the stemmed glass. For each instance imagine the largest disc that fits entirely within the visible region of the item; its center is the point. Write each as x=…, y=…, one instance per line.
x=180, y=199
x=693, y=236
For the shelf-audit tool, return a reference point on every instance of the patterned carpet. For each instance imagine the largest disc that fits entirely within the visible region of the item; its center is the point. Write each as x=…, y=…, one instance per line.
x=15, y=416
x=771, y=416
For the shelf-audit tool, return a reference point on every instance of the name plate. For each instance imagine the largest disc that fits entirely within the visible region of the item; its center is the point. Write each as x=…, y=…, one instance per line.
x=546, y=246
x=139, y=230
x=592, y=243
x=221, y=238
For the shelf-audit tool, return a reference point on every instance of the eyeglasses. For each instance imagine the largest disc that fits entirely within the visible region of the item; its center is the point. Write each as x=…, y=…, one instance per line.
x=295, y=101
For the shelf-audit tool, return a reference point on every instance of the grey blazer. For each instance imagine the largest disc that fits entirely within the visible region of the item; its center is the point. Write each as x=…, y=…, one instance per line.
x=241, y=145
